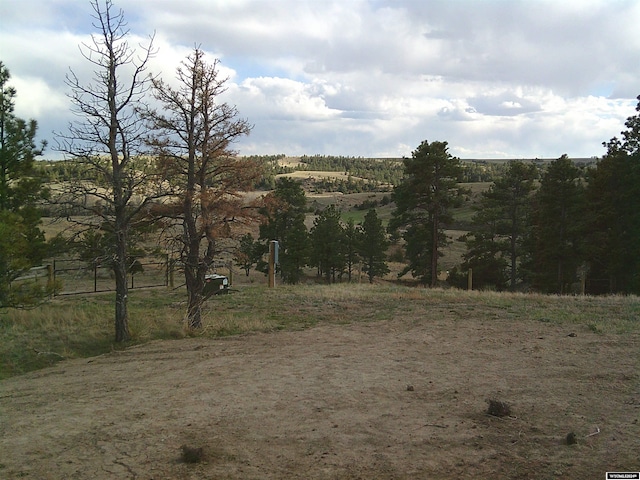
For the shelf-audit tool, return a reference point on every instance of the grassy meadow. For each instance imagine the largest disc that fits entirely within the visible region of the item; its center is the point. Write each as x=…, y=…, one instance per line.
x=82, y=326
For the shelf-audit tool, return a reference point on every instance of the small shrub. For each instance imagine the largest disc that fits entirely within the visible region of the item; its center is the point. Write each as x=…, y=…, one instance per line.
x=594, y=327
x=498, y=408
x=191, y=454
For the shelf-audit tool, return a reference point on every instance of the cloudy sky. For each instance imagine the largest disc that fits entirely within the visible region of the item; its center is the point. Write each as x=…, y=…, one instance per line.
x=372, y=78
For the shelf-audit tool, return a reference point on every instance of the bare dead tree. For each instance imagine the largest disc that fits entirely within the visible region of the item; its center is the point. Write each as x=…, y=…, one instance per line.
x=107, y=141
x=193, y=137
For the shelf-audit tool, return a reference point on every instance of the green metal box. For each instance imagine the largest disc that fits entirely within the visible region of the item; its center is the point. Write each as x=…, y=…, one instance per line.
x=215, y=284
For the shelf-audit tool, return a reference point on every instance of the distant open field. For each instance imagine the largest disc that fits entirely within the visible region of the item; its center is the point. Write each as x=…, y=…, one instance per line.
x=314, y=174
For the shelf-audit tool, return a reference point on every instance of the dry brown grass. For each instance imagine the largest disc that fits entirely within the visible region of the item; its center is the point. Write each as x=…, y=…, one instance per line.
x=78, y=326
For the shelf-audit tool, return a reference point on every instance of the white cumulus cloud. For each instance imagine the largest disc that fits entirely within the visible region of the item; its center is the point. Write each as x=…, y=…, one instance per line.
x=494, y=78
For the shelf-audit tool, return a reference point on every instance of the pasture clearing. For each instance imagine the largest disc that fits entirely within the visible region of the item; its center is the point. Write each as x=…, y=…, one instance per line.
x=341, y=381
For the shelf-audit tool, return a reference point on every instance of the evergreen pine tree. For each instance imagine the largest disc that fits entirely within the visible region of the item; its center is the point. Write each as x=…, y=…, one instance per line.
x=22, y=242
x=423, y=202
x=373, y=246
x=613, y=199
x=497, y=245
x=558, y=228
x=352, y=236
x=328, y=244
x=284, y=215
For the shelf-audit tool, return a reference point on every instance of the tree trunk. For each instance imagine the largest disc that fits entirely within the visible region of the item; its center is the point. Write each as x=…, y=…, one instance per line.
x=513, y=265
x=195, y=289
x=434, y=252
x=560, y=278
x=194, y=273
x=513, y=250
x=195, y=267
x=122, y=290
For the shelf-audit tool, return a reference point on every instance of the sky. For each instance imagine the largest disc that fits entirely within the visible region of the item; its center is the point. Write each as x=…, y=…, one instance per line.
x=365, y=78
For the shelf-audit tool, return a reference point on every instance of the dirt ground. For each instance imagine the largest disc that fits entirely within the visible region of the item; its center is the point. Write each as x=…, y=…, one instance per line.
x=383, y=400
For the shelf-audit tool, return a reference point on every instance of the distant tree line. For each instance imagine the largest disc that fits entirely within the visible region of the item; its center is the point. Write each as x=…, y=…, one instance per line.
x=373, y=203
x=565, y=230
x=561, y=227
x=381, y=175
x=345, y=186
x=335, y=248
x=270, y=168
x=380, y=171
x=480, y=171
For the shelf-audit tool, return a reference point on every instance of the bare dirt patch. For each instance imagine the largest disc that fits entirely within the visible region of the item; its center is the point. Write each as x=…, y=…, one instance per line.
x=404, y=398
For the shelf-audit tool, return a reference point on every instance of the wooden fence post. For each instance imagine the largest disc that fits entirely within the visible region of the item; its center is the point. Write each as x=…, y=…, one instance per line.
x=50, y=279
x=272, y=264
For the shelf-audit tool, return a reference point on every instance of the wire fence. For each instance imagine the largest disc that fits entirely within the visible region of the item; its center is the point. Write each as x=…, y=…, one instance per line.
x=70, y=276
x=74, y=276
